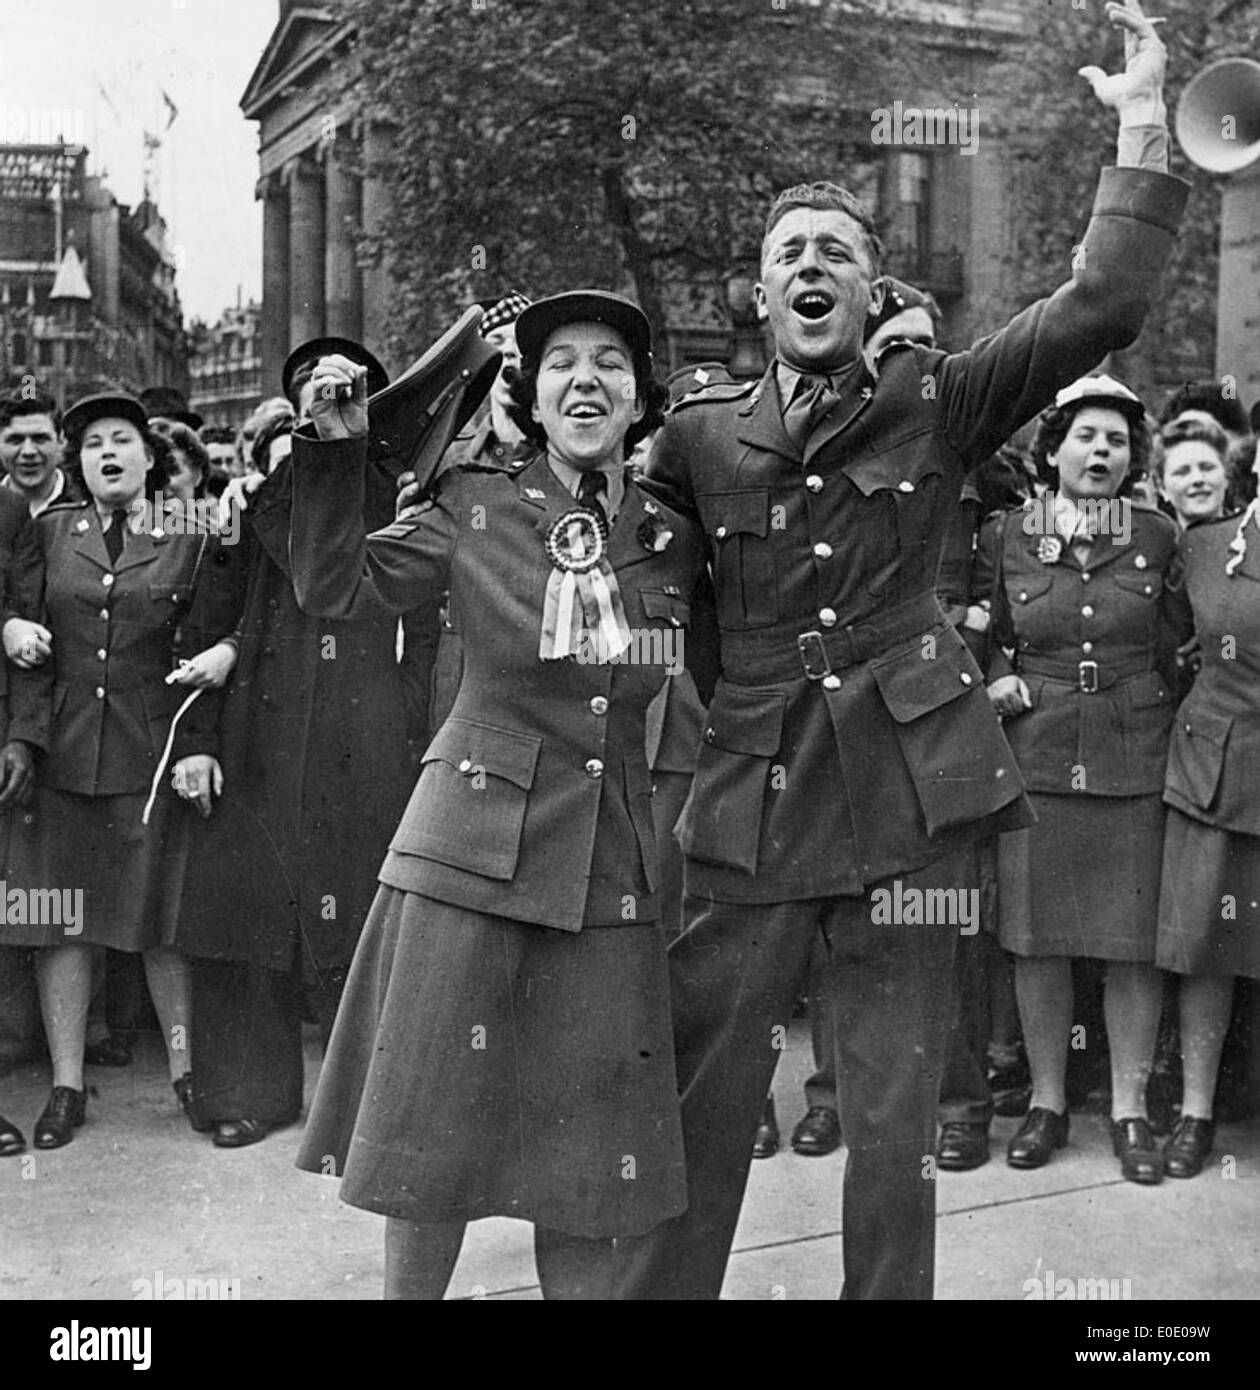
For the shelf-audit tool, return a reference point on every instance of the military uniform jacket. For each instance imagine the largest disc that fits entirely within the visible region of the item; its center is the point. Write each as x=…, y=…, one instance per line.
x=1094, y=642
x=534, y=802
x=850, y=737
x=1214, y=760
x=23, y=703
x=117, y=633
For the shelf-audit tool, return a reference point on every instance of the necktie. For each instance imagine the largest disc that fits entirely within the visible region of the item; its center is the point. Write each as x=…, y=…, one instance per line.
x=814, y=396
x=117, y=534
x=591, y=487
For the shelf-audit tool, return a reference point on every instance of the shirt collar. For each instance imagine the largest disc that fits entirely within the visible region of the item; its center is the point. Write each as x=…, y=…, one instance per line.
x=1072, y=522
x=59, y=486
x=788, y=378
x=570, y=477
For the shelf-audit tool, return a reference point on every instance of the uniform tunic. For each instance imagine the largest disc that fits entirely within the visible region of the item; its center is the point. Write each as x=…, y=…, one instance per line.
x=503, y=1045
x=117, y=632
x=1209, y=921
x=1094, y=643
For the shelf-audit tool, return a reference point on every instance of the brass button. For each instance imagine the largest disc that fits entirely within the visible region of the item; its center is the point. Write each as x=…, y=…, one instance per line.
x=100, y=692
x=1084, y=576
x=831, y=682
x=827, y=617
x=1087, y=647
x=965, y=677
x=1023, y=596
x=709, y=734
x=101, y=653
x=1087, y=612
x=823, y=550
x=105, y=615
x=1147, y=589
x=814, y=483
x=905, y=485
x=720, y=533
x=465, y=766
x=594, y=768
x=599, y=705
x=107, y=580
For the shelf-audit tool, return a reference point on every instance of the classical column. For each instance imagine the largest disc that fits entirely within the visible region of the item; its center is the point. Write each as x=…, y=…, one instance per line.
x=376, y=279
x=275, y=301
x=343, y=290
x=306, y=250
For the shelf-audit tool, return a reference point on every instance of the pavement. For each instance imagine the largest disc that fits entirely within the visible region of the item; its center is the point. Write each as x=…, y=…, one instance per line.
x=137, y=1195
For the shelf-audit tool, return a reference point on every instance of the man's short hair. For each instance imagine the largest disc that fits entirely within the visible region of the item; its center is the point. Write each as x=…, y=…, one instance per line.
x=825, y=197
x=37, y=403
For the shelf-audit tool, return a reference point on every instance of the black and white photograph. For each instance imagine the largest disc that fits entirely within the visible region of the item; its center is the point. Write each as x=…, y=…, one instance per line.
x=630, y=670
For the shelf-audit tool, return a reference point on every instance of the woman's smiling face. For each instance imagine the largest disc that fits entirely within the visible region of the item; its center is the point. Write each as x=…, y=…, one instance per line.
x=586, y=397
x=114, y=458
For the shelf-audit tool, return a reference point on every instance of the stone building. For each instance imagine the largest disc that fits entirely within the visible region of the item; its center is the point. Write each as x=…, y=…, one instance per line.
x=87, y=284
x=225, y=365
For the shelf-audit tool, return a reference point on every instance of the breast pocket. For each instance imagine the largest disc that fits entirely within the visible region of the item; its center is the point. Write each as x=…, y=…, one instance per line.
x=738, y=527
x=1196, y=757
x=1028, y=597
x=468, y=810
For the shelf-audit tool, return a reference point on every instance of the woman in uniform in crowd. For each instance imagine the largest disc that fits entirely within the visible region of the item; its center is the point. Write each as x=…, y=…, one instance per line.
x=314, y=738
x=1209, y=926
x=117, y=599
x=188, y=467
x=504, y=1046
x=1192, y=469
x=1082, y=669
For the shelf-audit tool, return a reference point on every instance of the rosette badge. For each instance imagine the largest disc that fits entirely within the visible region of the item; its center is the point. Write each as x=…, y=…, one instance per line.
x=1049, y=548
x=583, y=600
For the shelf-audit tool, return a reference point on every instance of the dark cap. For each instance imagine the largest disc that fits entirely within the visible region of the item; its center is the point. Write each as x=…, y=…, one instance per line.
x=412, y=422
x=109, y=406
x=312, y=351
x=542, y=318
x=500, y=312
x=169, y=404
x=898, y=297
x=695, y=378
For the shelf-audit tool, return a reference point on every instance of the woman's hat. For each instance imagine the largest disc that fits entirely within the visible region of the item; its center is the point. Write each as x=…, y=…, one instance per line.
x=1101, y=388
x=109, y=406
x=542, y=318
x=312, y=351
x=167, y=403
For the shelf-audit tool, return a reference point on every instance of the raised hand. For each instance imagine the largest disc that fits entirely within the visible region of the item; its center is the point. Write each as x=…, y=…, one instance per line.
x=339, y=410
x=1137, y=93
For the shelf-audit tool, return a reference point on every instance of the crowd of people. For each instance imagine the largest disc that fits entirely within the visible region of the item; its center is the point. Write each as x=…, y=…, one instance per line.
x=388, y=755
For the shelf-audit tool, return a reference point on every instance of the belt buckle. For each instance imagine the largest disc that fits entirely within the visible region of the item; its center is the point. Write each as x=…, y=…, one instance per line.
x=1087, y=677
x=814, y=656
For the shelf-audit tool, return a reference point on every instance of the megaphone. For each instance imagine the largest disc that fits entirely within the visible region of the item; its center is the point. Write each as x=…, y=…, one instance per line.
x=1218, y=116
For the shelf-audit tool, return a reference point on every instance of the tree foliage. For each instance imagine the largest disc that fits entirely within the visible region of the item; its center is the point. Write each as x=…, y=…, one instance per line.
x=551, y=143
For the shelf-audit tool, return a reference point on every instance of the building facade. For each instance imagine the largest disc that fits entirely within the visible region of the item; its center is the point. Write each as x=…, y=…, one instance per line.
x=225, y=366
x=88, y=300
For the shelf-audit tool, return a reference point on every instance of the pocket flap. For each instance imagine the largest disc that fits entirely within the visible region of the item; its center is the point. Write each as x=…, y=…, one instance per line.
x=1139, y=582
x=1027, y=588
x=735, y=513
x=1203, y=724
x=917, y=681
x=900, y=465
x=168, y=592
x=469, y=746
x=658, y=604
x=746, y=721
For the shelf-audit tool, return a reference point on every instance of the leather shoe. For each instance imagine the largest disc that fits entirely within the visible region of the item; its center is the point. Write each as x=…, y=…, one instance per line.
x=818, y=1132
x=65, y=1112
x=108, y=1052
x=1134, y=1146
x=962, y=1146
x=187, y=1098
x=1035, y=1141
x=766, y=1140
x=237, y=1134
x=11, y=1140
x=1188, y=1147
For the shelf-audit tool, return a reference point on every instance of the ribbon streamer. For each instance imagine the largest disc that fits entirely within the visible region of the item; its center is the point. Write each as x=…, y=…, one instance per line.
x=166, y=754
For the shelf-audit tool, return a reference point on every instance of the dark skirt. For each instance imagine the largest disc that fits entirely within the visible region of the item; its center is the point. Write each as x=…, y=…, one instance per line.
x=1209, y=900
x=486, y=1067
x=129, y=875
x=1083, y=881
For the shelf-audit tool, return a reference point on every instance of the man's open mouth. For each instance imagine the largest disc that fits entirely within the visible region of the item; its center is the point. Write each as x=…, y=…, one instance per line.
x=814, y=304
x=585, y=410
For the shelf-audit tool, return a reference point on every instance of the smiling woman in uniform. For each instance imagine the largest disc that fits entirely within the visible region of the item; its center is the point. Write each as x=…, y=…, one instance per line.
x=503, y=1046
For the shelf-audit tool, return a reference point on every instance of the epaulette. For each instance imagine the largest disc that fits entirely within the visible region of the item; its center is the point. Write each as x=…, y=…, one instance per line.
x=70, y=506
x=719, y=391
x=482, y=464
x=894, y=343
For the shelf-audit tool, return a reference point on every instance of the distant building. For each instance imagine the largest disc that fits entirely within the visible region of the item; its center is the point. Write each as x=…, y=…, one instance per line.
x=87, y=284
x=226, y=365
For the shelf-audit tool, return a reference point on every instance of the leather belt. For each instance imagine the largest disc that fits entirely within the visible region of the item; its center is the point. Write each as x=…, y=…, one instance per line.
x=766, y=657
x=1087, y=676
